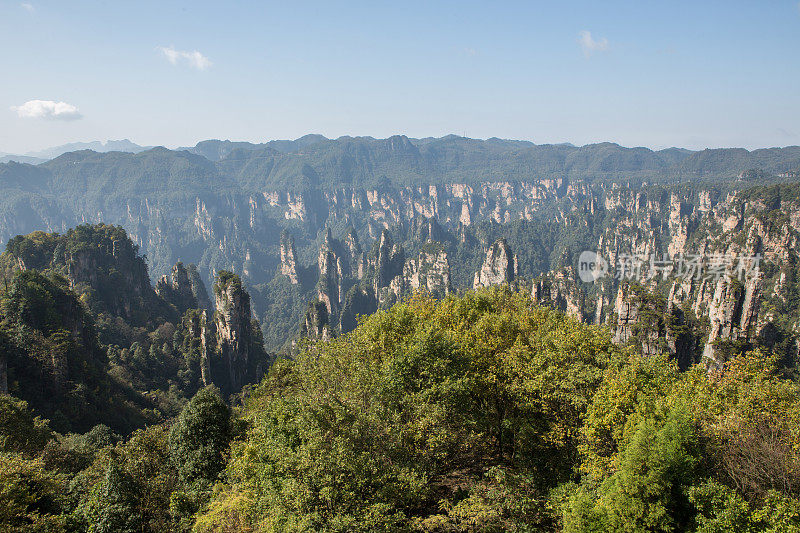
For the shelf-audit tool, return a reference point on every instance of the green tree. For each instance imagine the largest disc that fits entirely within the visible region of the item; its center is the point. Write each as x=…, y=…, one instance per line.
x=200, y=437
x=112, y=507
x=395, y=425
x=31, y=496
x=648, y=491
x=20, y=430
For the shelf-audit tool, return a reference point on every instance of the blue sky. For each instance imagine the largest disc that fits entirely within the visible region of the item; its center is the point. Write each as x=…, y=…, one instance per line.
x=692, y=74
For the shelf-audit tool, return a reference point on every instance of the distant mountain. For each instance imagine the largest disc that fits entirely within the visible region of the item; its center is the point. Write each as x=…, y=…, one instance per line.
x=215, y=150
x=123, y=145
x=5, y=158
x=223, y=205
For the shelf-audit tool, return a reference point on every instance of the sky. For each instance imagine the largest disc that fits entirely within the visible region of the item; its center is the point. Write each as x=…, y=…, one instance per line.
x=640, y=73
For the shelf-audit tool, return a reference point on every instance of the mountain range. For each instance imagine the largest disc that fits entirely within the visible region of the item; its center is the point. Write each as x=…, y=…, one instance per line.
x=402, y=335
x=236, y=206
x=40, y=156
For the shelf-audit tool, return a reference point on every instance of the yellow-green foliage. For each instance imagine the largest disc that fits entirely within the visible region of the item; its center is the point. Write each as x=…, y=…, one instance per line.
x=395, y=426
x=477, y=413
x=669, y=451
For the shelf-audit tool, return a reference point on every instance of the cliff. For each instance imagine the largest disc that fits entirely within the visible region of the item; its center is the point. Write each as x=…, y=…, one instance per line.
x=240, y=352
x=230, y=214
x=316, y=325
x=560, y=291
x=288, y=266
x=499, y=266
x=179, y=290
x=102, y=264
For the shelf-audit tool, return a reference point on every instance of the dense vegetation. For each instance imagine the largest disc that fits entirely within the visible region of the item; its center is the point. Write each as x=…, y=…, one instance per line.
x=473, y=413
x=85, y=339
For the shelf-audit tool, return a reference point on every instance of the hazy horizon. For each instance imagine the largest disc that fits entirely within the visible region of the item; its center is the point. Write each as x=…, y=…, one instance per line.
x=33, y=152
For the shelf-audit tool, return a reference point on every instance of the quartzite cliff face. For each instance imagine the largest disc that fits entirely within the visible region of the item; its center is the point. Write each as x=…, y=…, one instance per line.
x=500, y=266
x=239, y=346
x=392, y=233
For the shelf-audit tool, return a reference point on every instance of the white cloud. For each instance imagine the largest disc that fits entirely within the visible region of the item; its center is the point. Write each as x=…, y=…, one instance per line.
x=194, y=59
x=27, y=7
x=589, y=45
x=47, y=109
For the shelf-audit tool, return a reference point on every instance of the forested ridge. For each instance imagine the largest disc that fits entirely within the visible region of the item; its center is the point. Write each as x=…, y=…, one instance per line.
x=479, y=412
x=224, y=205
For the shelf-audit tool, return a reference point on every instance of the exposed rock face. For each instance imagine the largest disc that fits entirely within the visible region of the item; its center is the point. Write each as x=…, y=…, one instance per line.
x=102, y=265
x=659, y=324
x=177, y=289
x=500, y=266
x=620, y=222
x=316, y=325
x=639, y=318
x=732, y=314
x=627, y=313
x=559, y=291
x=234, y=330
x=198, y=288
x=129, y=294
x=199, y=328
x=226, y=216
x=429, y=271
x=352, y=284
x=358, y=264
x=288, y=266
x=331, y=272
x=388, y=267
x=231, y=352
x=426, y=229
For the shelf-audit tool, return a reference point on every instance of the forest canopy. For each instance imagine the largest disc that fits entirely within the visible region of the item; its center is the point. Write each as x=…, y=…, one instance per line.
x=478, y=412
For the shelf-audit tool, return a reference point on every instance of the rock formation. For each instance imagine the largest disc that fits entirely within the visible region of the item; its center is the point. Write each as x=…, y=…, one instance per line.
x=360, y=301
x=358, y=263
x=499, y=266
x=388, y=266
x=199, y=328
x=198, y=288
x=288, y=253
x=639, y=318
x=559, y=291
x=237, y=345
x=429, y=271
x=331, y=273
x=316, y=325
x=732, y=315
x=177, y=289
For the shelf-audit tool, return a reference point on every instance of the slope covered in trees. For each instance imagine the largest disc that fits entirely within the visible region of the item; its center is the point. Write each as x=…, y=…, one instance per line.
x=480, y=412
x=223, y=206
x=85, y=339
x=483, y=413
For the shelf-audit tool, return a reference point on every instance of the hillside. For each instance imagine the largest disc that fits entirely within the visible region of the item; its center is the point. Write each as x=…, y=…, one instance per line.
x=481, y=412
x=86, y=338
